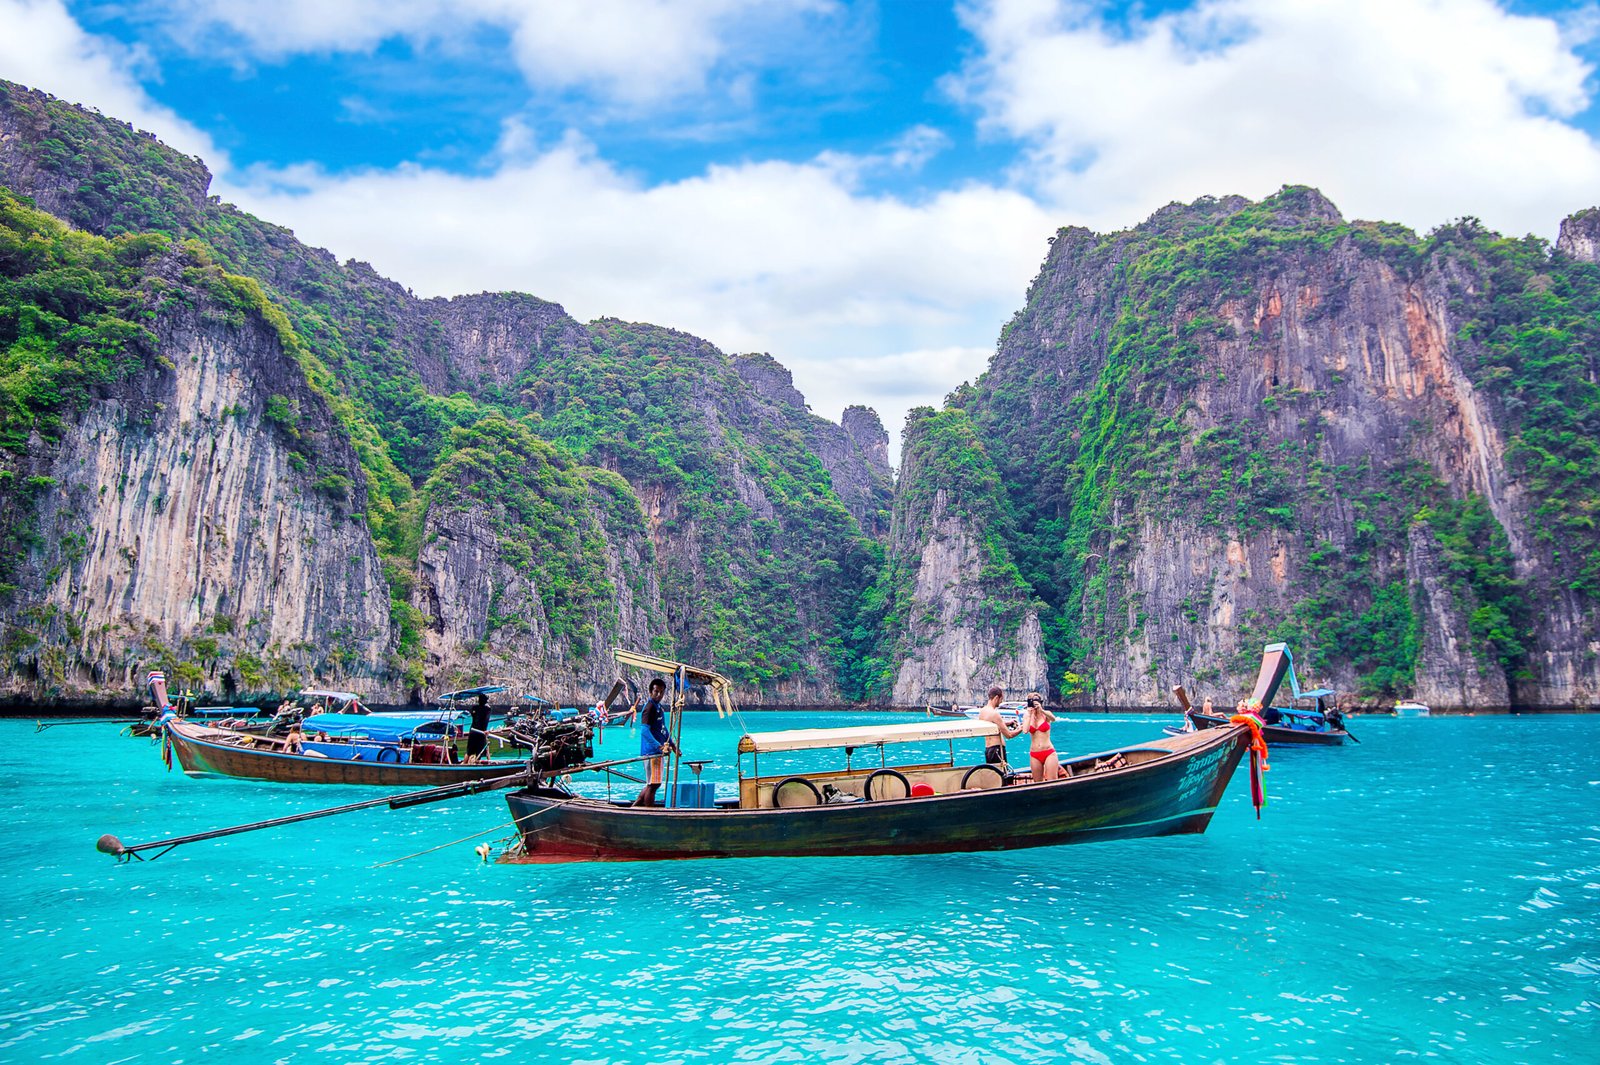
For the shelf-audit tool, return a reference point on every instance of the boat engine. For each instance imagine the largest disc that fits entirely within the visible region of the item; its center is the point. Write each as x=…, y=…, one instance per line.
x=556, y=744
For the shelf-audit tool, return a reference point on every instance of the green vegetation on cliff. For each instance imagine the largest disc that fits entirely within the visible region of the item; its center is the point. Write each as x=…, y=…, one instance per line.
x=769, y=561
x=74, y=310
x=945, y=471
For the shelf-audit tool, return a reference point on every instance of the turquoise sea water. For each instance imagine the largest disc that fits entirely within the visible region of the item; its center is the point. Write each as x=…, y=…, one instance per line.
x=1431, y=893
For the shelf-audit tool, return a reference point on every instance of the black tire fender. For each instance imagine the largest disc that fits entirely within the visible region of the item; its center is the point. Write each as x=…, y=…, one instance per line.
x=880, y=777
x=796, y=785
x=979, y=771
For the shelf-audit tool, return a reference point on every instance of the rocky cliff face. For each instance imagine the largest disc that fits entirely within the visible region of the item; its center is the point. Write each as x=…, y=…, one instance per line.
x=1580, y=236
x=716, y=516
x=759, y=557
x=955, y=649
x=205, y=513
x=1269, y=421
x=487, y=341
x=508, y=597
x=956, y=616
x=855, y=452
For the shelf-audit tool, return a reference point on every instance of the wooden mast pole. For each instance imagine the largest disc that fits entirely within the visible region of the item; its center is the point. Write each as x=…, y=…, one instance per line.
x=675, y=727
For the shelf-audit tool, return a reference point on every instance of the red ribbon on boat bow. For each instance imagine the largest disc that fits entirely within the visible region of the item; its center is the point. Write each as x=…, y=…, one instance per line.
x=1258, y=759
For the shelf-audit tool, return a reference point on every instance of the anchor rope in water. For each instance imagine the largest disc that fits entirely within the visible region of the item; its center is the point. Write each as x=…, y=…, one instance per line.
x=442, y=846
x=523, y=833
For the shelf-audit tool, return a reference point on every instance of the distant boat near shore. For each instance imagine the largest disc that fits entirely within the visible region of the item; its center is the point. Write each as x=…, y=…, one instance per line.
x=1410, y=709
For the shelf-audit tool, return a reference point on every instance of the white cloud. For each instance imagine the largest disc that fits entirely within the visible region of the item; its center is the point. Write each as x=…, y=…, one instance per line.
x=1413, y=110
x=627, y=53
x=43, y=47
x=1416, y=111
x=779, y=257
x=895, y=382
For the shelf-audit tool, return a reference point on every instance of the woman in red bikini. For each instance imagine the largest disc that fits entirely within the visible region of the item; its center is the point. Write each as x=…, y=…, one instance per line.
x=1041, y=751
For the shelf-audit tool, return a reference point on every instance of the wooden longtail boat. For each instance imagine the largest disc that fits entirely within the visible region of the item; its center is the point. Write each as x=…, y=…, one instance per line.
x=1316, y=724
x=1277, y=734
x=222, y=753
x=1165, y=787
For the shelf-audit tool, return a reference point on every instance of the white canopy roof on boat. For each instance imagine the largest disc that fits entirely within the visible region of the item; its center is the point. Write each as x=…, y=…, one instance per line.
x=326, y=693
x=803, y=739
x=721, y=690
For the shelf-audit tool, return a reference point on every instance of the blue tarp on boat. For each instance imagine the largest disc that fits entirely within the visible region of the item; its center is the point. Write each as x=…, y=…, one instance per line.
x=471, y=693
x=385, y=728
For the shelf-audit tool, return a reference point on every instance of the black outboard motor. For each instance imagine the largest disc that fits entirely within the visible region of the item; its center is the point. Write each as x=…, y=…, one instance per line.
x=556, y=745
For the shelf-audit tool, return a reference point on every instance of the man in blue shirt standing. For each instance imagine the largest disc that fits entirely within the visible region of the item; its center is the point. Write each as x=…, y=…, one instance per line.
x=654, y=740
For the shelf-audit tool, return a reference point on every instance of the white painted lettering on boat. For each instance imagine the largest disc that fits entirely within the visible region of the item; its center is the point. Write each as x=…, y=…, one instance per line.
x=1198, y=773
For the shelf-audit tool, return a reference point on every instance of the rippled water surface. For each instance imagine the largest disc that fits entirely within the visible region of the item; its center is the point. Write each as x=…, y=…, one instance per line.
x=1432, y=892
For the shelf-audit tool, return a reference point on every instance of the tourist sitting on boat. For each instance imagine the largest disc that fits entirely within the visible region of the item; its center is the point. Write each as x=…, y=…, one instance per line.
x=295, y=741
x=994, y=753
x=1042, y=760
x=654, y=740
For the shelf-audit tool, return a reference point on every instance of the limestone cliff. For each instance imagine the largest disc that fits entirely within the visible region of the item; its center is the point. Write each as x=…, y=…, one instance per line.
x=855, y=452
x=235, y=456
x=760, y=558
x=203, y=514
x=1257, y=421
x=531, y=568
x=749, y=553
x=486, y=342
x=1580, y=236
x=957, y=618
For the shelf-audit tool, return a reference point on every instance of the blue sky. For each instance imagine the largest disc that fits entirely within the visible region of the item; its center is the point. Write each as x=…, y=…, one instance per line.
x=869, y=72
x=862, y=189
x=872, y=70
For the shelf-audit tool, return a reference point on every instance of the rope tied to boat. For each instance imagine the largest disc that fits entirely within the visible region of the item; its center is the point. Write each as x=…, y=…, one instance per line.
x=1258, y=758
x=523, y=822
x=442, y=846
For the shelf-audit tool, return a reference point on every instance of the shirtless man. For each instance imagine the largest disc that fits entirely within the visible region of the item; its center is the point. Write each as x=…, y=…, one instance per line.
x=995, y=751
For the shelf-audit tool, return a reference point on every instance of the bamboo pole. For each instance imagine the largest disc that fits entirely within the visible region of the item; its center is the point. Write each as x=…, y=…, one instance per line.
x=109, y=844
x=679, y=683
